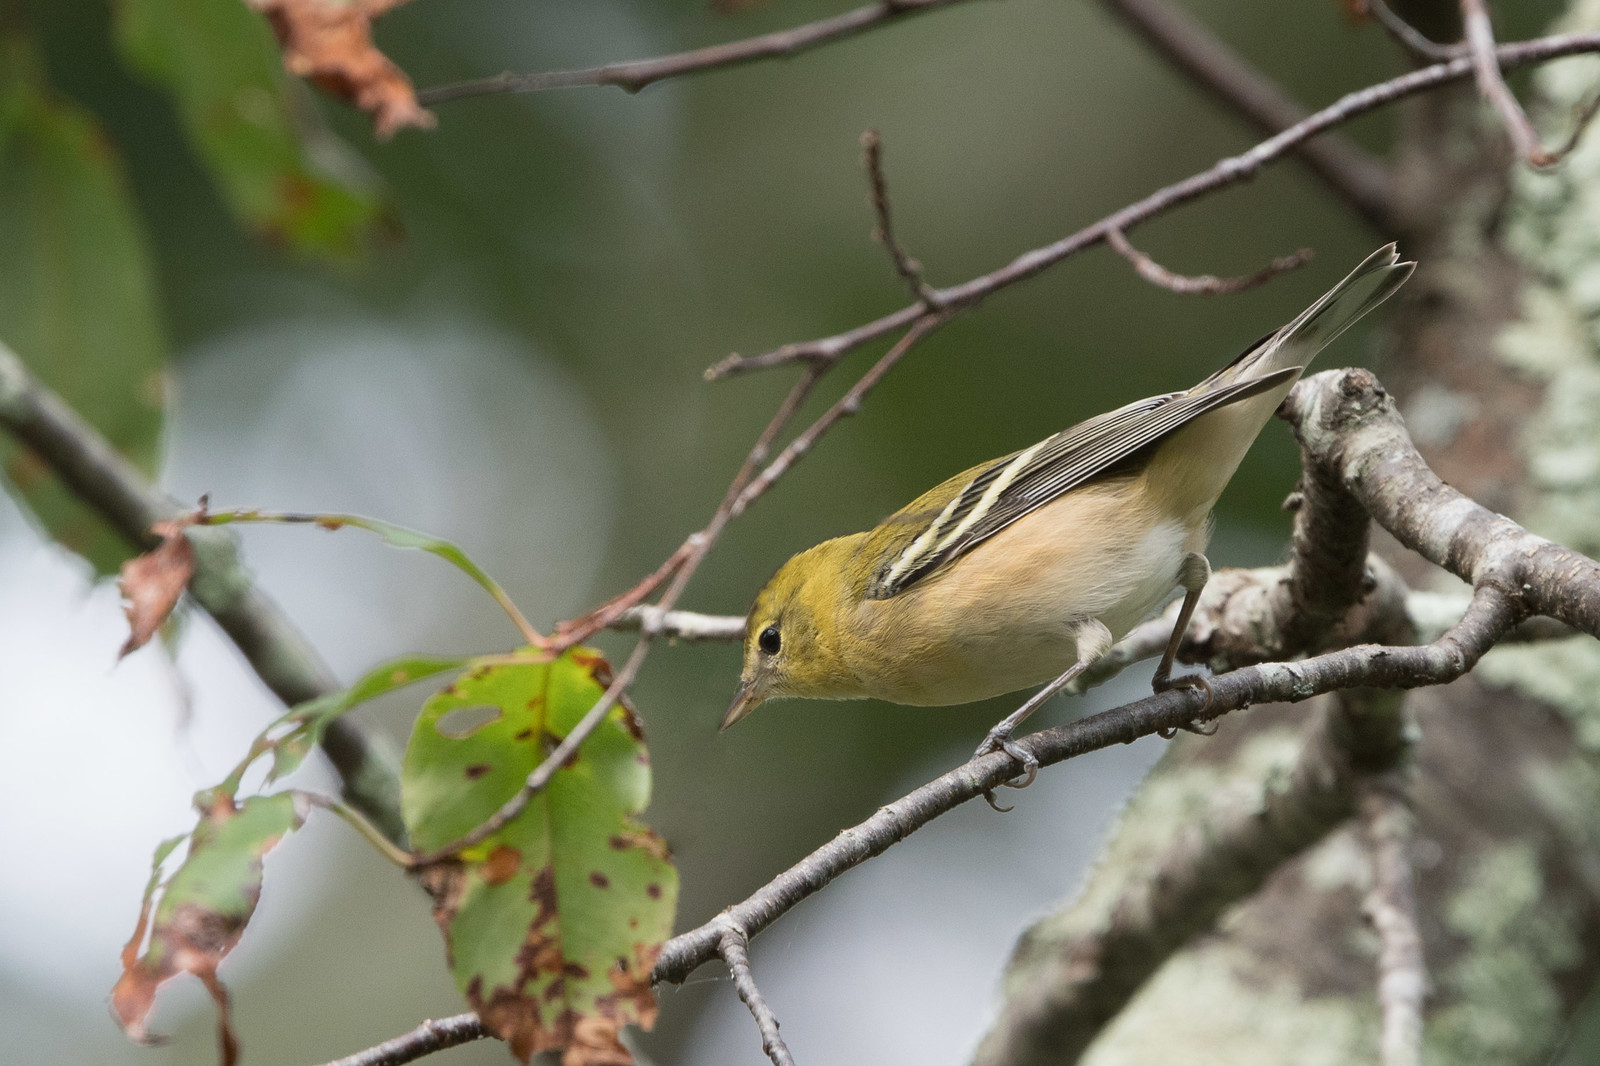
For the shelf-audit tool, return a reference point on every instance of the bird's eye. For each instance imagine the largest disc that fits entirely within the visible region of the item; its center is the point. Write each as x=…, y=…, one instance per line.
x=770, y=640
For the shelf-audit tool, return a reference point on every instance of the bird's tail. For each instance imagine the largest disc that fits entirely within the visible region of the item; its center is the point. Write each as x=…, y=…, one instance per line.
x=1296, y=344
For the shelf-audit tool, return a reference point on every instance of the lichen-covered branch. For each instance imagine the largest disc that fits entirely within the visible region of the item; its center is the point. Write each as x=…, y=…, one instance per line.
x=1152, y=893
x=1392, y=908
x=1351, y=427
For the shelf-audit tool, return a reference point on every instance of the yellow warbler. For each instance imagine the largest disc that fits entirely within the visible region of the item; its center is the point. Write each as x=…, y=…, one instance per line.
x=1030, y=567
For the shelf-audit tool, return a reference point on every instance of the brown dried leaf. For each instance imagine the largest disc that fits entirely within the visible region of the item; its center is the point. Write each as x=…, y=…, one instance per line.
x=151, y=583
x=329, y=42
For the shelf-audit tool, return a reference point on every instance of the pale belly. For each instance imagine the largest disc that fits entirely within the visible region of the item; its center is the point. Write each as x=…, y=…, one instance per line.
x=1008, y=615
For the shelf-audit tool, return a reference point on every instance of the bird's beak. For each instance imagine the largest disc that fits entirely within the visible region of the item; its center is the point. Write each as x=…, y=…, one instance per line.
x=744, y=701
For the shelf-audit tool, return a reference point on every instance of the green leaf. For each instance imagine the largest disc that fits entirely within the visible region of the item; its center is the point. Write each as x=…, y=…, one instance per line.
x=285, y=175
x=393, y=535
x=291, y=738
x=77, y=293
x=553, y=923
x=204, y=906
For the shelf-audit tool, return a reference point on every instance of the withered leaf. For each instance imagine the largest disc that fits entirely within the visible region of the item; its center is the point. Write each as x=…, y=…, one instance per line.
x=151, y=583
x=553, y=923
x=329, y=42
x=204, y=907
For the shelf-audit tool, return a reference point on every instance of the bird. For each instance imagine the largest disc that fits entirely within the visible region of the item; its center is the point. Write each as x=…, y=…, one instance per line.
x=1027, y=569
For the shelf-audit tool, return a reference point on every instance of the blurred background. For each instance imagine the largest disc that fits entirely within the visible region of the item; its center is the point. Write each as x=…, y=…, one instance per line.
x=512, y=359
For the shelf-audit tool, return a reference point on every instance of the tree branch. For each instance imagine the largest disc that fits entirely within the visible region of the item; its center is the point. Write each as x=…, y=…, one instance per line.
x=98, y=474
x=1353, y=175
x=636, y=74
x=1492, y=612
x=1480, y=41
x=1226, y=172
x=1350, y=425
x=1201, y=284
x=1408, y=36
x=425, y=1039
x=909, y=269
x=1074, y=970
x=1392, y=907
x=732, y=948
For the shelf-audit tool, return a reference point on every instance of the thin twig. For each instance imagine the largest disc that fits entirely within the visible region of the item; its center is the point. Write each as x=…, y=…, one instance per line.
x=1392, y=907
x=96, y=473
x=569, y=633
x=847, y=405
x=425, y=1039
x=636, y=74
x=1480, y=39
x=691, y=627
x=1409, y=37
x=1202, y=284
x=909, y=269
x=1356, y=177
x=1234, y=169
x=1581, y=118
x=734, y=951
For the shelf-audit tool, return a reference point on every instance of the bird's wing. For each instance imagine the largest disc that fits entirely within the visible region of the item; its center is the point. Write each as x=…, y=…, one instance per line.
x=1007, y=489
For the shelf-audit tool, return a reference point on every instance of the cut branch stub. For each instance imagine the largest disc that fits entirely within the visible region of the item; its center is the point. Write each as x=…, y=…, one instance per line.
x=553, y=923
x=204, y=906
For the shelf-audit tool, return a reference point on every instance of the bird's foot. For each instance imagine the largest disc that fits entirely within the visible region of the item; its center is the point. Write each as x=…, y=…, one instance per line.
x=1189, y=681
x=1000, y=740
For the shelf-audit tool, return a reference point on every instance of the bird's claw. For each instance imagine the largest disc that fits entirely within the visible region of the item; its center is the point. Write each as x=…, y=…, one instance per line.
x=1190, y=681
x=997, y=741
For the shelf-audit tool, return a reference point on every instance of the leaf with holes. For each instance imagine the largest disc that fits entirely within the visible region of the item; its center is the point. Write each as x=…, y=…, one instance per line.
x=286, y=175
x=77, y=293
x=204, y=906
x=553, y=923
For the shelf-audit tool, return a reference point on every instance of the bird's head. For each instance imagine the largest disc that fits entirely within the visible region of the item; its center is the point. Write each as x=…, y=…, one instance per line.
x=792, y=636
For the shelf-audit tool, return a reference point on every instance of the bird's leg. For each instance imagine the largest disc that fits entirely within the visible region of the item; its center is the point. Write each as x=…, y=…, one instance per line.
x=1093, y=641
x=1193, y=573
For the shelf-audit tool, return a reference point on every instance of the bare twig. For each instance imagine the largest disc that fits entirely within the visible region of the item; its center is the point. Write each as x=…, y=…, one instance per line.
x=1409, y=37
x=1202, y=284
x=909, y=269
x=1581, y=118
x=1353, y=175
x=98, y=475
x=734, y=951
x=636, y=74
x=1480, y=39
x=688, y=626
x=1392, y=907
x=847, y=405
x=425, y=1039
x=962, y=297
